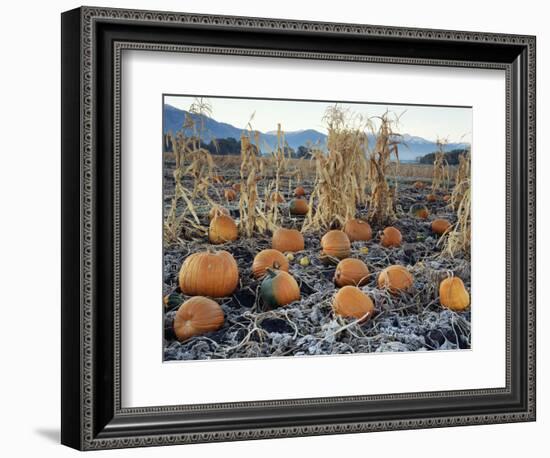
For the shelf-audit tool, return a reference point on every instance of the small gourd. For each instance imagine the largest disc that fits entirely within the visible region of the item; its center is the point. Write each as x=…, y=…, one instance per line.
x=222, y=229
x=272, y=259
x=209, y=273
x=391, y=237
x=358, y=230
x=287, y=240
x=419, y=185
x=197, y=316
x=453, y=294
x=336, y=244
x=236, y=187
x=395, y=279
x=351, y=271
x=172, y=300
x=278, y=288
x=351, y=302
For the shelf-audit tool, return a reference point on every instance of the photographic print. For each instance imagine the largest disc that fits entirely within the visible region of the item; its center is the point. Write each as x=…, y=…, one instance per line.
x=308, y=218
x=306, y=228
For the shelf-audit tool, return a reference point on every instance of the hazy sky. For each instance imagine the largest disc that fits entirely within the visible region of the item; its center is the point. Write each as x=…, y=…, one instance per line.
x=453, y=123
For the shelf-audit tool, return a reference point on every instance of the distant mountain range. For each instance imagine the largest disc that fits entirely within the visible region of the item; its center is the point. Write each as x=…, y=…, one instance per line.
x=413, y=147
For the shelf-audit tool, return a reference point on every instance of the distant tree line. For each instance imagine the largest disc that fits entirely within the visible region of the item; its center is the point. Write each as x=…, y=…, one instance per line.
x=221, y=146
x=224, y=147
x=451, y=157
x=232, y=147
x=303, y=152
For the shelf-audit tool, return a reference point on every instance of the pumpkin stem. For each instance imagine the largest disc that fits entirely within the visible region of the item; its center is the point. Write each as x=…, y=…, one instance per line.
x=271, y=272
x=276, y=265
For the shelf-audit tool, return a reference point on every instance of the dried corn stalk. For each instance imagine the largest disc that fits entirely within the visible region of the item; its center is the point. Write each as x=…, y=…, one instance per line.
x=173, y=224
x=441, y=177
x=187, y=149
x=458, y=238
x=279, y=162
x=462, y=180
x=381, y=202
x=201, y=169
x=251, y=217
x=340, y=175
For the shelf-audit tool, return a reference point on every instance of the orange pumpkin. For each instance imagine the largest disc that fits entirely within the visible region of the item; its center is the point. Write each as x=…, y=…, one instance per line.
x=446, y=198
x=272, y=259
x=197, y=316
x=351, y=302
x=395, y=279
x=299, y=191
x=358, y=230
x=279, y=288
x=222, y=229
x=287, y=240
x=298, y=207
x=419, y=185
x=351, y=271
x=336, y=244
x=217, y=209
x=391, y=237
x=419, y=210
x=431, y=197
x=229, y=194
x=209, y=273
x=236, y=187
x=453, y=294
x=440, y=226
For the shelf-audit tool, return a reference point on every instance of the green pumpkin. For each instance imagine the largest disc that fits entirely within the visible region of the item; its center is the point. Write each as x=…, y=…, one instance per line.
x=173, y=300
x=278, y=288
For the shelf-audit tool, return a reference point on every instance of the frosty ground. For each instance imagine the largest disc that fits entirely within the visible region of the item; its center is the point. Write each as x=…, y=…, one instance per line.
x=412, y=321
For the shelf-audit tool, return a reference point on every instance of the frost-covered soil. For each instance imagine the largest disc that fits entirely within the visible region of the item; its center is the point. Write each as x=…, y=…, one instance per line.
x=410, y=322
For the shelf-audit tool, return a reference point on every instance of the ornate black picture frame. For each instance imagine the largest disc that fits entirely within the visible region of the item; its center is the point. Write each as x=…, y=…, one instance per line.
x=92, y=42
